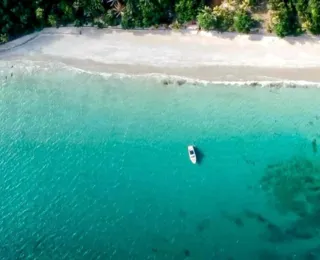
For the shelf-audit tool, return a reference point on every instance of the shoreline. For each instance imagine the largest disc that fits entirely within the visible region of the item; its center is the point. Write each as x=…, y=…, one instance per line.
x=174, y=78
x=203, y=56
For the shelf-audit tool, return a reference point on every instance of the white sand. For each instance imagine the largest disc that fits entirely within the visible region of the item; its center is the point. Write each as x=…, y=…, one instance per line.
x=201, y=55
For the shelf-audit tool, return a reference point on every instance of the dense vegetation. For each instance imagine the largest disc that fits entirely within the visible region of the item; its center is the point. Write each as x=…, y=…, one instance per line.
x=284, y=17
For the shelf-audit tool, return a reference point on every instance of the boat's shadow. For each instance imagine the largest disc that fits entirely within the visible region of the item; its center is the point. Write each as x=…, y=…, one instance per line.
x=200, y=155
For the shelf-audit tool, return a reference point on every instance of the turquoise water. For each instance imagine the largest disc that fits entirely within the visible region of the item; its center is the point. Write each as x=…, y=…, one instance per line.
x=96, y=167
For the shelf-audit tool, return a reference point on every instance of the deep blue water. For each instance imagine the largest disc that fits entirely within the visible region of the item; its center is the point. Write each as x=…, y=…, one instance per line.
x=97, y=168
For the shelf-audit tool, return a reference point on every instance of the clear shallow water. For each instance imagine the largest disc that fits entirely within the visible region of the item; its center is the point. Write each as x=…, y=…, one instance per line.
x=97, y=168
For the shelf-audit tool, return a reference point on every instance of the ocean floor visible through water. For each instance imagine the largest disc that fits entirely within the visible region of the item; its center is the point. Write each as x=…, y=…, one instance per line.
x=96, y=167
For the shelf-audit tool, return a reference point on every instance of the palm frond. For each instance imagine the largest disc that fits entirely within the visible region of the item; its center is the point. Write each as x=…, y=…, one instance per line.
x=112, y=2
x=119, y=9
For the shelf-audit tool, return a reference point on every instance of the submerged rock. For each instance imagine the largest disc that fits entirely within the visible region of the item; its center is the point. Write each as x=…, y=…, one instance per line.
x=314, y=146
x=186, y=252
x=266, y=254
x=234, y=219
x=181, y=82
x=182, y=213
x=166, y=82
x=203, y=225
x=253, y=84
x=238, y=222
x=256, y=216
x=310, y=256
x=273, y=233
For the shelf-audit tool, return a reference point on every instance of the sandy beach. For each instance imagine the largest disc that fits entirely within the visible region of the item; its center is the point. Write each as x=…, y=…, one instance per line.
x=198, y=55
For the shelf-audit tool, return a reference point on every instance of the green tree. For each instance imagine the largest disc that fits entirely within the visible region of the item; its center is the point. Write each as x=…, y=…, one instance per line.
x=127, y=20
x=206, y=19
x=110, y=18
x=286, y=21
x=187, y=10
x=314, y=7
x=223, y=19
x=151, y=12
x=18, y=17
x=243, y=21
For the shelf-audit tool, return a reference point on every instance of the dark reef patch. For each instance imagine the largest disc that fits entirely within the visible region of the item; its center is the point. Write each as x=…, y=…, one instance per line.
x=293, y=186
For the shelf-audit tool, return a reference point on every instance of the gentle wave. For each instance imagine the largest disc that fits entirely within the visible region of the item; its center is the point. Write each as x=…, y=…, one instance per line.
x=32, y=67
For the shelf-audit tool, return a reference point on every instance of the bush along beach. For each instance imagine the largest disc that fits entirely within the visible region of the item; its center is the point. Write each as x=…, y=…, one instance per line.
x=244, y=16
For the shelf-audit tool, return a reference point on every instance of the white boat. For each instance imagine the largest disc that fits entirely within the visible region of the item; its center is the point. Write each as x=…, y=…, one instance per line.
x=192, y=154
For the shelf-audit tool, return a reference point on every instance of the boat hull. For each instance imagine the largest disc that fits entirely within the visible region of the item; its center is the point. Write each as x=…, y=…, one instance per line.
x=192, y=154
